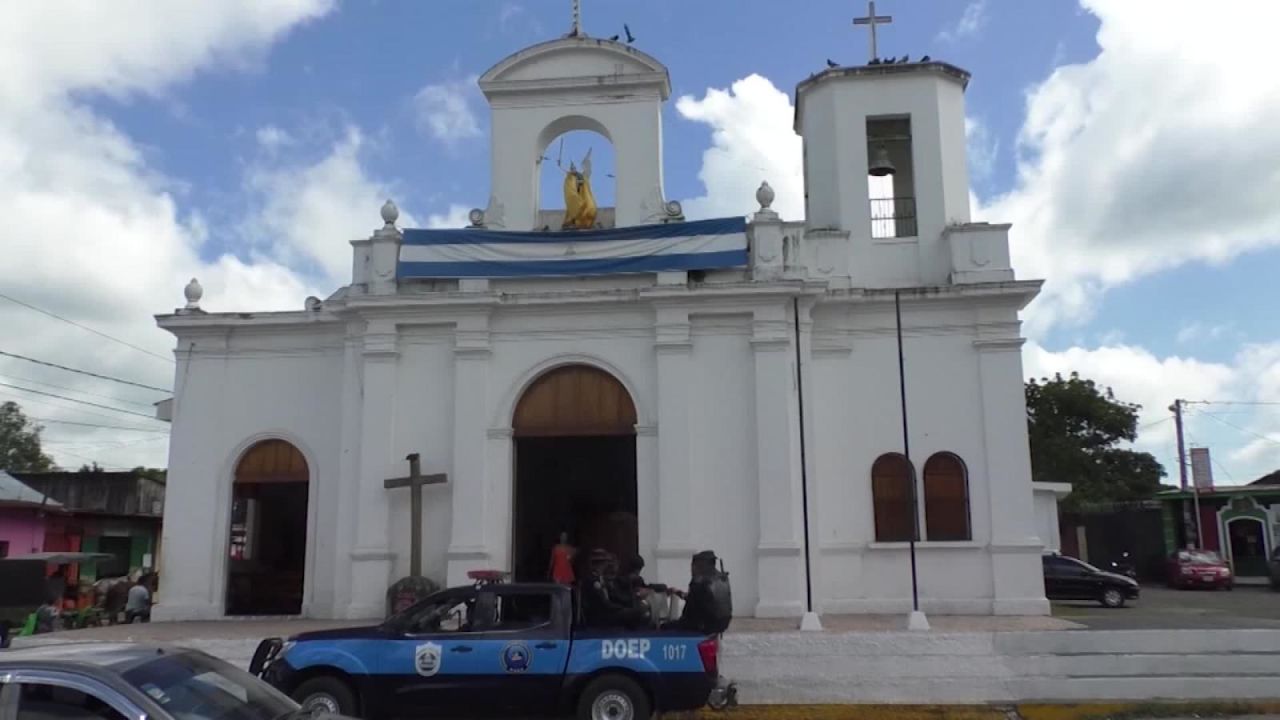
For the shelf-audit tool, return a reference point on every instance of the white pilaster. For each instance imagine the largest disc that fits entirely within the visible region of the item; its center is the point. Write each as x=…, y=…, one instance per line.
x=674, y=348
x=1017, y=577
x=499, y=470
x=647, y=492
x=780, y=560
x=371, y=559
x=347, y=494
x=469, y=548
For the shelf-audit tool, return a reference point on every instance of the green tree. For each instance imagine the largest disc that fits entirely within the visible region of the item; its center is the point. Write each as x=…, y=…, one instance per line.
x=157, y=474
x=20, y=449
x=1076, y=429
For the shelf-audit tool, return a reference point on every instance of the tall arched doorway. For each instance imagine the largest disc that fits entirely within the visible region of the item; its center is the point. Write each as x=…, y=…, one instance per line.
x=1247, y=544
x=268, y=541
x=575, y=462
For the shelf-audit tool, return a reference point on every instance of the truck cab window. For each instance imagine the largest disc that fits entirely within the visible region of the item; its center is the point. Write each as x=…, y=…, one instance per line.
x=523, y=611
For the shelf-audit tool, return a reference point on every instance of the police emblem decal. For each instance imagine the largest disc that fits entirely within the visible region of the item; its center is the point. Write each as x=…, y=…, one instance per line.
x=516, y=658
x=427, y=659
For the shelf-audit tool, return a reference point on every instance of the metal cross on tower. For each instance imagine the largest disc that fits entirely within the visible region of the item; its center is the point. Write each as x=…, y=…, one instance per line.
x=871, y=20
x=577, y=19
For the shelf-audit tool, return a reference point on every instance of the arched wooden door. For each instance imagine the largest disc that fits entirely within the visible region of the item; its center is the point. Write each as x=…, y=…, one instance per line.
x=575, y=454
x=268, y=537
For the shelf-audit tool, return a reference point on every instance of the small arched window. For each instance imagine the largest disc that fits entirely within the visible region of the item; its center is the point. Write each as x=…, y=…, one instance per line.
x=946, y=498
x=891, y=494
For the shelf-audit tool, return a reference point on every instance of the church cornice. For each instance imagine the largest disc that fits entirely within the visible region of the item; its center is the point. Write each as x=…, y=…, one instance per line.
x=498, y=78
x=942, y=70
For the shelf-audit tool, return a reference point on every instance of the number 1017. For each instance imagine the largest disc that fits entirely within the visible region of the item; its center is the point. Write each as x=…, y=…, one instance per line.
x=673, y=652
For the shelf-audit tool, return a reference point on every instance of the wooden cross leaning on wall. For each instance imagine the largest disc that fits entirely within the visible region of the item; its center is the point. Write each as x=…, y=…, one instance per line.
x=414, y=482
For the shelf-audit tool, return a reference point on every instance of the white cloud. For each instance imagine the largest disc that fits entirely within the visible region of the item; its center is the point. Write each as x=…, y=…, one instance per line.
x=1233, y=432
x=1198, y=332
x=982, y=148
x=752, y=140
x=272, y=138
x=969, y=25
x=94, y=233
x=444, y=110
x=1148, y=156
x=309, y=213
x=455, y=217
x=516, y=18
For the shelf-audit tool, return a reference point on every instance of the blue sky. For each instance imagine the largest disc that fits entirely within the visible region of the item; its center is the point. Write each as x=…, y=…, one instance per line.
x=245, y=143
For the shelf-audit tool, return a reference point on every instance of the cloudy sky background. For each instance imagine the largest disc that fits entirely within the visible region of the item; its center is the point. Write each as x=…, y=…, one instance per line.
x=1132, y=143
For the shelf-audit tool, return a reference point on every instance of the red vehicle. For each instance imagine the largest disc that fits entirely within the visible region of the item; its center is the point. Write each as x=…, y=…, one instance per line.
x=1199, y=568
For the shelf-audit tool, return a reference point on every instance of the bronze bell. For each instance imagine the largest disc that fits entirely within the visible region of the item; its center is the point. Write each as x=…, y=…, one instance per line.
x=880, y=163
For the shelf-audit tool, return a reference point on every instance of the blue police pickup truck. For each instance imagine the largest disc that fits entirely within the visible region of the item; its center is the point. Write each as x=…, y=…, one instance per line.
x=496, y=649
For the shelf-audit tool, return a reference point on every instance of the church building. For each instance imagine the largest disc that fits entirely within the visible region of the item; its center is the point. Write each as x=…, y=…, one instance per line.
x=799, y=395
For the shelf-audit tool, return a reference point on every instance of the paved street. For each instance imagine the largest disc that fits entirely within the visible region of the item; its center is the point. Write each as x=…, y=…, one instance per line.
x=1161, y=608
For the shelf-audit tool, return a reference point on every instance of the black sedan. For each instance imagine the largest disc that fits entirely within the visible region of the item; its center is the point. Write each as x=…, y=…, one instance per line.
x=98, y=681
x=1067, y=578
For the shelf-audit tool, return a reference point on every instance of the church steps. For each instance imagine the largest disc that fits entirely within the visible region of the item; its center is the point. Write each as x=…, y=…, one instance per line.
x=903, y=667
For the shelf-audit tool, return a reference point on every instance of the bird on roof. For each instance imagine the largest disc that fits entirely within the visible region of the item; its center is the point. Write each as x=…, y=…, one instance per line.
x=614, y=38
x=925, y=59
x=832, y=64
x=630, y=38
x=904, y=59
x=874, y=61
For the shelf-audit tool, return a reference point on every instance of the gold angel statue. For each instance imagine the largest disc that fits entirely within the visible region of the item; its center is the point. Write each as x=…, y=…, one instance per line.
x=579, y=202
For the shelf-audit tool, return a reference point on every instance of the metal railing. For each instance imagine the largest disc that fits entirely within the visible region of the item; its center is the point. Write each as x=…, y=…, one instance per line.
x=893, y=217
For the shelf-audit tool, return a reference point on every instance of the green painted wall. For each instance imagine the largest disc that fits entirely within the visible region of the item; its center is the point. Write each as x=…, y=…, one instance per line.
x=141, y=546
x=89, y=570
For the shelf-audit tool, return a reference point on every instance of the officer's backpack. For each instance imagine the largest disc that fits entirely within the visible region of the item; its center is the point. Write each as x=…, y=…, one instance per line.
x=722, y=600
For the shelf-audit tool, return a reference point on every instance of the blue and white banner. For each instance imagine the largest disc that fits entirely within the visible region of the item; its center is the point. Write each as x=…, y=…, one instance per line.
x=699, y=245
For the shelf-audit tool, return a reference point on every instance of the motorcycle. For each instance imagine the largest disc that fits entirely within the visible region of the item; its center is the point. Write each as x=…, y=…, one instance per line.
x=1124, y=566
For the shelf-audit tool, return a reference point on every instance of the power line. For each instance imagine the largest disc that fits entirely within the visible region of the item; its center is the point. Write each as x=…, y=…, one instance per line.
x=95, y=425
x=92, y=460
x=1154, y=423
x=1260, y=436
x=82, y=402
x=1224, y=469
x=25, y=400
x=29, y=306
x=83, y=372
x=72, y=389
x=110, y=445
x=1231, y=402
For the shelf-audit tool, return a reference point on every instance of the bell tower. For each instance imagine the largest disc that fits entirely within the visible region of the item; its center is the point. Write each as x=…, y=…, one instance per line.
x=576, y=83
x=884, y=161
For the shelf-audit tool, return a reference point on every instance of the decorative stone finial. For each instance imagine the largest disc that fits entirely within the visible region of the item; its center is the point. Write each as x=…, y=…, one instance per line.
x=764, y=196
x=476, y=216
x=390, y=213
x=193, y=292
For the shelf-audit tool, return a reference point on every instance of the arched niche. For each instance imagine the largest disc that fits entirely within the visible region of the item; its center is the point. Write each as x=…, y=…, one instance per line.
x=565, y=144
x=267, y=537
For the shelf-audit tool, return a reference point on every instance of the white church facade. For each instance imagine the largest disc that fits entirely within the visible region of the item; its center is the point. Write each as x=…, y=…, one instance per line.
x=649, y=383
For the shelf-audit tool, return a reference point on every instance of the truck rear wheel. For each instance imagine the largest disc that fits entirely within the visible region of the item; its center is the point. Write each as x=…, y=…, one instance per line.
x=326, y=694
x=613, y=697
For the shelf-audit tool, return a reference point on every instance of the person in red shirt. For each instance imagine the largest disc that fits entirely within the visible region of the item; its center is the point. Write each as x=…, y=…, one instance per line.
x=561, y=569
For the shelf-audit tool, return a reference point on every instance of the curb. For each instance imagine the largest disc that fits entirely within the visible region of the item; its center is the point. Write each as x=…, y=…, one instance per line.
x=1023, y=711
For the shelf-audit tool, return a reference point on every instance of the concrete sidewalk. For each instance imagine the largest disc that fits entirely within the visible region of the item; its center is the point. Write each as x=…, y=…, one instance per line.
x=992, y=662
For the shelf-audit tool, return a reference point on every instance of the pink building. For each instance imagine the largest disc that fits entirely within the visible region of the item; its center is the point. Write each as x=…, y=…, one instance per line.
x=22, y=517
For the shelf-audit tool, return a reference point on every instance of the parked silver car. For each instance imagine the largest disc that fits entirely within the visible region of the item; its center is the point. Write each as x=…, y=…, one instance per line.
x=125, y=681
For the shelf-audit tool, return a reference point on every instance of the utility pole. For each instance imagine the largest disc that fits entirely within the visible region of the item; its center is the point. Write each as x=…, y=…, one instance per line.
x=1176, y=407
